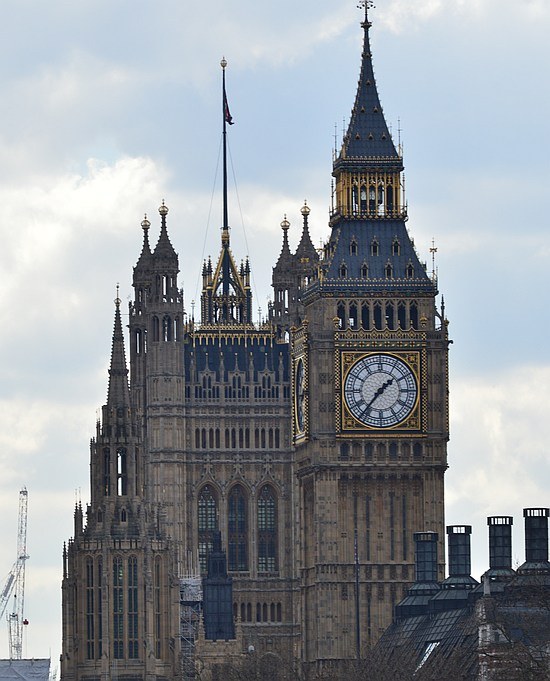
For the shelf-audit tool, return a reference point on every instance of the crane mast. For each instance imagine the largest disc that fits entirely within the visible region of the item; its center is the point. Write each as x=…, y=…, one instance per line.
x=15, y=583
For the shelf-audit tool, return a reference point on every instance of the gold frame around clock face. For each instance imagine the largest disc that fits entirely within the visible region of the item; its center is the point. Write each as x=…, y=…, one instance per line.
x=380, y=391
x=299, y=397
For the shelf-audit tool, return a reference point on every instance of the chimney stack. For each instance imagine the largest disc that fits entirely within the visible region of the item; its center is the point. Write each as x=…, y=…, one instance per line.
x=500, y=549
x=536, y=542
x=416, y=602
x=425, y=554
x=458, y=540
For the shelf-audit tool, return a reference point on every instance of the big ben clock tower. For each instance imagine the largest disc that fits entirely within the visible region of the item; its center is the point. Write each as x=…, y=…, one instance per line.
x=370, y=397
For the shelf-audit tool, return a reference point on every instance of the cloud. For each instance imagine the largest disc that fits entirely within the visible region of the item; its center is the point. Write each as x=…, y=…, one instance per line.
x=498, y=452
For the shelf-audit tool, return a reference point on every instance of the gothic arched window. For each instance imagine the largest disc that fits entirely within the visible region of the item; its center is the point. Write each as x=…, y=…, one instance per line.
x=377, y=316
x=353, y=322
x=402, y=315
x=372, y=199
x=207, y=523
x=133, y=647
x=156, y=331
x=341, y=314
x=374, y=247
x=390, y=316
x=363, y=199
x=413, y=312
x=167, y=328
x=267, y=530
x=90, y=615
x=107, y=471
x=122, y=471
x=118, y=608
x=395, y=247
x=237, y=529
x=157, y=597
x=389, y=199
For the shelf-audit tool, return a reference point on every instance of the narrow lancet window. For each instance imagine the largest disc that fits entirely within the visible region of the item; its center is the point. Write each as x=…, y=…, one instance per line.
x=207, y=523
x=237, y=530
x=122, y=471
x=133, y=647
x=118, y=609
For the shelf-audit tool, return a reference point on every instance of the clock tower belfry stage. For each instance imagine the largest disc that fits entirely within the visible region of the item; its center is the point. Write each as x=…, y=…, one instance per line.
x=370, y=397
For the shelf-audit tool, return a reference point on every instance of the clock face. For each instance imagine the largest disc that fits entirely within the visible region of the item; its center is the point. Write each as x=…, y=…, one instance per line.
x=299, y=403
x=380, y=390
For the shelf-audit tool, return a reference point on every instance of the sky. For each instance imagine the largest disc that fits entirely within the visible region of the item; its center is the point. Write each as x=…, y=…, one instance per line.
x=109, y=107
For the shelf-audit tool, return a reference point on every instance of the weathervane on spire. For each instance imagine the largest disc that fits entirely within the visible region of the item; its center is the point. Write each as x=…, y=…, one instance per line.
x=366, y=5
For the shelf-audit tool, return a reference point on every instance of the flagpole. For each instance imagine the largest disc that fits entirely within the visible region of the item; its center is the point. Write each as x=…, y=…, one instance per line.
x=225, y=232
x=224, y=116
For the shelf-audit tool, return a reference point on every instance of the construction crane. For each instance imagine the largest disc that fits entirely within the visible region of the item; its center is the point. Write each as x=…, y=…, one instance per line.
x=15, y=584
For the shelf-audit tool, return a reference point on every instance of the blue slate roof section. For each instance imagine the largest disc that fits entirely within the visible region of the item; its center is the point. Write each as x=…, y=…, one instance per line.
x=25, y=670
x=238, y=354
x=368, y=136
x=356, y=243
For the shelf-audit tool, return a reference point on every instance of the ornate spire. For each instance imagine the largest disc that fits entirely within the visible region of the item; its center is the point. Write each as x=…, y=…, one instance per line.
x=306, y=250
x=286, y=256
x=164, y=248
x=368, y=136
x=118, y=394
x=145, y=256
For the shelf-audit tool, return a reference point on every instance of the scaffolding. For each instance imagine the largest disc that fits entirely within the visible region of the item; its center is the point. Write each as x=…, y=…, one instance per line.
x=190, y=612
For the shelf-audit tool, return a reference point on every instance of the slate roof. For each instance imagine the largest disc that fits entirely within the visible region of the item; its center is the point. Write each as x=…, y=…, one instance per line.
x=254, y=354
x=33, y=670
x=374, y=247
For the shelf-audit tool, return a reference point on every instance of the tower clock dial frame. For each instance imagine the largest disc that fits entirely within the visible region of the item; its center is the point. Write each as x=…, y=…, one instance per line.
x=380, y=391
x=299, y=397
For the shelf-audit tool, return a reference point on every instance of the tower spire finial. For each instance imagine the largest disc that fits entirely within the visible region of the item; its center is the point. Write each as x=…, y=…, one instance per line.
x=366, y=5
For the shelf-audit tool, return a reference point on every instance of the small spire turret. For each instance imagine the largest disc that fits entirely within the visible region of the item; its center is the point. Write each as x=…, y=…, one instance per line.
x=118, y=394
x=285, y=258
x=164, y=248
x=306, y=251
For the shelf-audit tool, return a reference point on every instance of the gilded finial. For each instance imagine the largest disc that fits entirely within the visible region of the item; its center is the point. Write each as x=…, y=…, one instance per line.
x=163, y=210
x=117, y=299
x=305, y=210
x=145, y=224
x=223, y=63
x=285, y=224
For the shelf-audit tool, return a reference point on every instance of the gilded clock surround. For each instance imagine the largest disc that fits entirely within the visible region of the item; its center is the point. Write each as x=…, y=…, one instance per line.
x=350, y=422
x=300, y=384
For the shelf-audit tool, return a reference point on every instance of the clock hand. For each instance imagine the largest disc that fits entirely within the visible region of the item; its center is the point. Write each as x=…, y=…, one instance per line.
x=379, y=392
